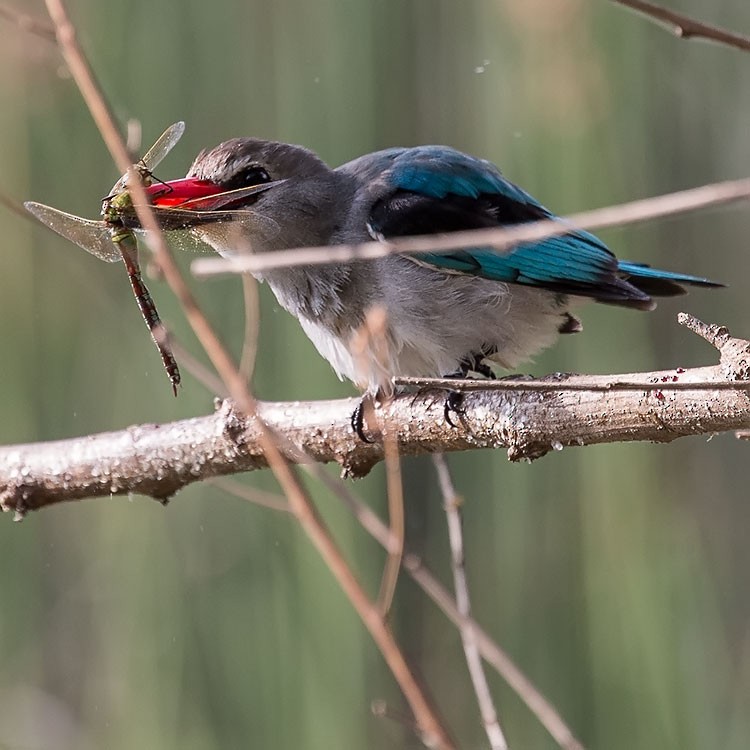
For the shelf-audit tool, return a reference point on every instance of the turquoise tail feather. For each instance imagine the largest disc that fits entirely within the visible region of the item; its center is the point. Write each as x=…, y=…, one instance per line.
x=659, y=283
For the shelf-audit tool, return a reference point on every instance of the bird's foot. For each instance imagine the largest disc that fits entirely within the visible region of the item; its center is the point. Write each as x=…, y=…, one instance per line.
x=358, y=421
x=453, y=404
x=452, y=400
x=474, y=362
x=367, y=404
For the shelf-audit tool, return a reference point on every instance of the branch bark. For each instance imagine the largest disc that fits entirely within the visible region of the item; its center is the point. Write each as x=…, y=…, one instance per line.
x=158, y=460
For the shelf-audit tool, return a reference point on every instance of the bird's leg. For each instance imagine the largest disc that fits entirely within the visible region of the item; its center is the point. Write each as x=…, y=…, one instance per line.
x=483, y=369
x=454, y=400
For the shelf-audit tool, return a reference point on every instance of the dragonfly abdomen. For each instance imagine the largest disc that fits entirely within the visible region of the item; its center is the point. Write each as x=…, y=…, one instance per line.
x=126, y=242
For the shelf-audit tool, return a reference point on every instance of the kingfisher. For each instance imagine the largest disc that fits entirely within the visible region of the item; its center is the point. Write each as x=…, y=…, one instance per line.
x=446, y=314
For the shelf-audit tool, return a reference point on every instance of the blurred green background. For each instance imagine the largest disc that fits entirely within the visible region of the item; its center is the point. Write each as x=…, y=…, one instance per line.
x=616, y=576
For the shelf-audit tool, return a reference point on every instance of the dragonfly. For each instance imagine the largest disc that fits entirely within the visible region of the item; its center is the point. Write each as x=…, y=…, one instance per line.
x=114, y=238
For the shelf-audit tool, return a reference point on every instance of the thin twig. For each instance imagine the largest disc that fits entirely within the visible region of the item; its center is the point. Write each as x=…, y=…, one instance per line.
x=264, y=499
x=716, y=335
x=430, y=725
x=133, y=135
x=16, y=207
x=201, y=372
x=501, y=238
x=28, y=23
x=557, y=383
x=251, y=303
x=452, y=505
x=544, y=711
x=105, y=122
x=370, y=345
x=686, y=27
x=395, y=495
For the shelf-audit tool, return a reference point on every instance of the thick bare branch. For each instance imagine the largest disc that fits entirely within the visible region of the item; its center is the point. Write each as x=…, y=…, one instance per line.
x=158, y=460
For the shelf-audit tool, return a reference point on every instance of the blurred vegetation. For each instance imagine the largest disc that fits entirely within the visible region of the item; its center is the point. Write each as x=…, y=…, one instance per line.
x=616, y=576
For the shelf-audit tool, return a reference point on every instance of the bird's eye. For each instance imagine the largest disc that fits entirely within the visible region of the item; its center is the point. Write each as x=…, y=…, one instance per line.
x=247, y=177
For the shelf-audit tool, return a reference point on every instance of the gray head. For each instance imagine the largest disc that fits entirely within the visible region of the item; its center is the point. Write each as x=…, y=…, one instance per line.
x=305, y=204
x=300, y=210
x=243, y=161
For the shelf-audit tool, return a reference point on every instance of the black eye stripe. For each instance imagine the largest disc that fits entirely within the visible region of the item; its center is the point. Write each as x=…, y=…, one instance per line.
x=246, y=177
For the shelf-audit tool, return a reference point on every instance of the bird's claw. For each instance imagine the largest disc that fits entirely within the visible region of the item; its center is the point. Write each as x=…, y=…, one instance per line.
x=453, y=405
x=358, y=421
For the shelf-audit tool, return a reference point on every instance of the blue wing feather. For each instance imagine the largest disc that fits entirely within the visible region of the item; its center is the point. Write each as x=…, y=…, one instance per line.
x=438, y=171
x=438, y=189
x=547, y=262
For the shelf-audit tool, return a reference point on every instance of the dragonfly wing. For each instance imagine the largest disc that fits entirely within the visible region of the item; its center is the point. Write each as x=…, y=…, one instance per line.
x=163, y=145
x=153, y=157
x=238, y=223
x=193, y=231
x=92, y=236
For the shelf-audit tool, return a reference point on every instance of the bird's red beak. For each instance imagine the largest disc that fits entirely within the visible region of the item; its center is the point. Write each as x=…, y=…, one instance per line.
x=189, y=193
